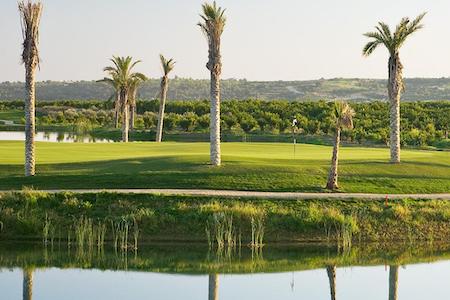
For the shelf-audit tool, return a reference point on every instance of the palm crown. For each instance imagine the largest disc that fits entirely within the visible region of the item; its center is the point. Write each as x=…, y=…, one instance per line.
x=30, y=14
x=213, y=20
x=122, y=77
x=167, y=65
x=122, y=71
x=392, y=41
x=343, y=114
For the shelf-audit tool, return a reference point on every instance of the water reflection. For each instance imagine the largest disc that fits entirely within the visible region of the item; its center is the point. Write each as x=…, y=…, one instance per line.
x=331, y=272
x=196, y=273
x=60, y=137
x=27, y=284
x=213, y=287
x=393, y=282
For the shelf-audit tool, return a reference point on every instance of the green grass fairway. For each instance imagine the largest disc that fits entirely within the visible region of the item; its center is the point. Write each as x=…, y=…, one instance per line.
x=246, y=166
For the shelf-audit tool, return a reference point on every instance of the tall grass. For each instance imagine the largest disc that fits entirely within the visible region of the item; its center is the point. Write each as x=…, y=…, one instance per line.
x=46, y=230
x=89, y=234
x=339, y=227
x=222, y=231
x=257, y=223
x=121, y=231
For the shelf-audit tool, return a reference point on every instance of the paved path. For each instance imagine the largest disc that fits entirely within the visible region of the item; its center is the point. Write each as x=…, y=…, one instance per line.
x=261, y=195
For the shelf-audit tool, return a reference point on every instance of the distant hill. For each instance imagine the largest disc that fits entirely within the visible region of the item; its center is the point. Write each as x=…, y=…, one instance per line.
x=190, y=89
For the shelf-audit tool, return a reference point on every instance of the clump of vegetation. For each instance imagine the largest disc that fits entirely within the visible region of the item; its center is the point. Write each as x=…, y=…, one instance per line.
x=257, y=231
x=221, y=232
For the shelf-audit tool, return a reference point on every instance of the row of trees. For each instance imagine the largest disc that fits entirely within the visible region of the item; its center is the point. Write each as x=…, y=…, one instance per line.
x=422, y=123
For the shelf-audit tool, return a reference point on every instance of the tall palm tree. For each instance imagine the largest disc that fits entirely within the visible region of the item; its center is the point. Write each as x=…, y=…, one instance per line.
x=167, y=67
x=125, y=80
x=212, y=25
x=331, y=272
x=27, y=287
x=213, y=287
x=393, y=42
x=343, y=115
x=393, y=282
x=30, y=15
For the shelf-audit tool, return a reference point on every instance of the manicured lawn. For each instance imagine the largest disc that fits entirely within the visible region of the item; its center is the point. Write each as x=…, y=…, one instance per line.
x=247, y=166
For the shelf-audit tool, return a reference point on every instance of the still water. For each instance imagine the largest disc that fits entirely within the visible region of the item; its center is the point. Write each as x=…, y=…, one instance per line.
x=175, y=272
x=59, y=137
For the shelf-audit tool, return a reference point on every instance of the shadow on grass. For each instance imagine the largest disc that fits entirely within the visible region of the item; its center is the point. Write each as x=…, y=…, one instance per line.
x=162, y=172
x=193, y=172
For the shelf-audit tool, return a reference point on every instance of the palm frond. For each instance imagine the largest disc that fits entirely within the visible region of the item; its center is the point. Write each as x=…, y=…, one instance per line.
x=370, y=47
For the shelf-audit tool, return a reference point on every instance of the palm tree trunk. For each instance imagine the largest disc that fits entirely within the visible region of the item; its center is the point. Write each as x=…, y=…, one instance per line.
x=27, y=290
x=213, y=287
x=162, y=107
x=30, y=120
x=331, y=271
x=215, y=119
x=117, y=112
x=132, y=115
x=125, y=121
x=395, y=87
x=332, y=183
x=393, y=282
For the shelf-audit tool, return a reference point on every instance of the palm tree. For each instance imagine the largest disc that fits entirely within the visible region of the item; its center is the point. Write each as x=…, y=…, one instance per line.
x=125, y=81
x=343, y=115
x=30, y=15
x=27, y=288
x=393, y=282
x=393, y=42
x=167, y=66
x=212, y=25
x=331, y=272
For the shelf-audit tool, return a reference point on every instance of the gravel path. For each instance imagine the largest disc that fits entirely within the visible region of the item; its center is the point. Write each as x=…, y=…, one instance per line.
x=261, y=195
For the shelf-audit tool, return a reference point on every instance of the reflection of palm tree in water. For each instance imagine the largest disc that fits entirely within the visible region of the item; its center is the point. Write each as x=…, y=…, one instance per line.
x=27, y=284
x=213, y=287
x=331, y=271
x=393, y=282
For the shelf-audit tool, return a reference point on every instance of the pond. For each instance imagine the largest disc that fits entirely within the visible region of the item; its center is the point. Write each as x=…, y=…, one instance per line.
x=182, y=272
x=59, y=137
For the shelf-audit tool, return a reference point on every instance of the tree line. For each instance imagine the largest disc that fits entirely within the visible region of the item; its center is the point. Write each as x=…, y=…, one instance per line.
x=351, y=89
x=423, y=123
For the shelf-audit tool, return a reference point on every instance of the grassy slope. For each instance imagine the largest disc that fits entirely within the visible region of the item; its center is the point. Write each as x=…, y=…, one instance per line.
x=185, y=218
x=246, y=167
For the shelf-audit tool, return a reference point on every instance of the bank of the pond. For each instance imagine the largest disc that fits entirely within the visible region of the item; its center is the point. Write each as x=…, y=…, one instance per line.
x=32, y=215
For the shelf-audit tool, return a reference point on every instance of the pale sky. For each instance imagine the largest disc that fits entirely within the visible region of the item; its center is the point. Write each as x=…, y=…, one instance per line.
x=263, y=40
